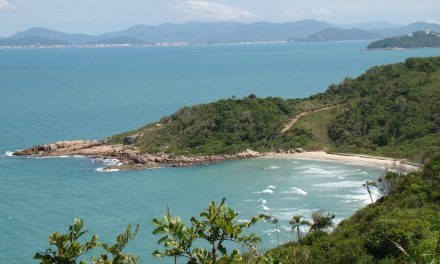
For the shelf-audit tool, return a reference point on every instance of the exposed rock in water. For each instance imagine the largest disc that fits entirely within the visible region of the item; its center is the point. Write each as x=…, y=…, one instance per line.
x=130, y=158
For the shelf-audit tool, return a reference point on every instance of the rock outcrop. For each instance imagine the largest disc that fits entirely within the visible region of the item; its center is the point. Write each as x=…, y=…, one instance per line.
x=131, y=158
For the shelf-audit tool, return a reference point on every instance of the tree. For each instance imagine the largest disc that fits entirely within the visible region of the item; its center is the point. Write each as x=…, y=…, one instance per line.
x=69, y=249
x=178, y=238
x=273, y=221
x=216, y=226
x=368, y=184
x=296, y=222
x=321, y=221
x=118, y=257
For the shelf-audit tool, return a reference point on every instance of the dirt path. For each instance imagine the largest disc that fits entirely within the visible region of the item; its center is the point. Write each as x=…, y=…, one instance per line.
x=297, y=117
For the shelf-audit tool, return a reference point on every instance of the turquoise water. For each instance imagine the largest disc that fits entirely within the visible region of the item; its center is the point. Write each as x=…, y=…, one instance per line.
x=56, y=94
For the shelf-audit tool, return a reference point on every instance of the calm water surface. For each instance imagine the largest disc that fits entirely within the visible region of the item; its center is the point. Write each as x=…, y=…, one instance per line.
x=65, y=94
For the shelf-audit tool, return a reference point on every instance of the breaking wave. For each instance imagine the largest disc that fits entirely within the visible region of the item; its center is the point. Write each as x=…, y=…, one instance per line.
x=295, y=190
x=8, y=154
x=271, y=168
x=341, y=184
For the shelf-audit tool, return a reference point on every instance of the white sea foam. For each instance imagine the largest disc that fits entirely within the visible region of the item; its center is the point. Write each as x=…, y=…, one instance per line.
x=298, y=191
x=272, y=167
x=271, y=187
x=263, y=201
x=9, y=154
x=289, y=198
x=106, y=170
x=340, y=184
x=112, y=162
x=360, y=194
x=270, y=231
x=287, y=213
x=50, y=157
x=112, y=170
x=249, y=200
x=265, y=208
x=295, y=190
x=316, y=171
x=267, y=191
x=344, y=173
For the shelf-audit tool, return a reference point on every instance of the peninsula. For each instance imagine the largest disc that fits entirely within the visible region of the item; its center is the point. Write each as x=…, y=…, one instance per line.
x=389, y=111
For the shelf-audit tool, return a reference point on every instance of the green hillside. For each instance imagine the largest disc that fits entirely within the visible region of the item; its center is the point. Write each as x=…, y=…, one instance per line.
x=226, y=126
x=389, y=110
x=420, y=39
x=393, y=110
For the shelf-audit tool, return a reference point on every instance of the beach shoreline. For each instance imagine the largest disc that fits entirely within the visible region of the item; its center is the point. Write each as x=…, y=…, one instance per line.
x=354, y=159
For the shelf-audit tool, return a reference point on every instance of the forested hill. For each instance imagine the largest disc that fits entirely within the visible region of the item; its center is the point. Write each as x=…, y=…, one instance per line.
x=420, y=39
x=389, y=110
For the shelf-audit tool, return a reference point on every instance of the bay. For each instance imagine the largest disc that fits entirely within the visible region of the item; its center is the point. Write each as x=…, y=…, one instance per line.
x=65, y=94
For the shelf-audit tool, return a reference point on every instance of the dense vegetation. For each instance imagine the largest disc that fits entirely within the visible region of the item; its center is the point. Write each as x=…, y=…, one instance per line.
x=390, y=110
x=401, y=227
x=420, y=39
x=226, y=126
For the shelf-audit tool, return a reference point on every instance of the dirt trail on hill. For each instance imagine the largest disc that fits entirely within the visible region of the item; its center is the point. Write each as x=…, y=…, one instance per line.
x=297, y=117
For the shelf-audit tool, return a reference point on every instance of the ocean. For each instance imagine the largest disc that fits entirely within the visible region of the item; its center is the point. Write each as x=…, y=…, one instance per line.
x=65, y=94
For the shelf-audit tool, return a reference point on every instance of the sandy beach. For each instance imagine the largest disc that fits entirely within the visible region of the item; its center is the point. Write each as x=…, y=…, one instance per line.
x=363, y=160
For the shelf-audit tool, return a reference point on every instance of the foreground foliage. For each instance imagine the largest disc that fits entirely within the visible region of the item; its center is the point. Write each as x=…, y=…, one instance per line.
x=401, y=227
x=68, y=248
x=216, y=227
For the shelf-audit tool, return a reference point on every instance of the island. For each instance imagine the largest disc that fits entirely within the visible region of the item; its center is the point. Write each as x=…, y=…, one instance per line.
x=389, y=111
x=419, y=39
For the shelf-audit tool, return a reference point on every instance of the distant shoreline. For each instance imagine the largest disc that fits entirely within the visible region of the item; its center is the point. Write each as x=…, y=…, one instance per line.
x=159, y=44
x=355, y=159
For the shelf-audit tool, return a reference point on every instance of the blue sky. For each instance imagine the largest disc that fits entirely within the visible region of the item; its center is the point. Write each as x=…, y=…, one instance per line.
x=98, y=16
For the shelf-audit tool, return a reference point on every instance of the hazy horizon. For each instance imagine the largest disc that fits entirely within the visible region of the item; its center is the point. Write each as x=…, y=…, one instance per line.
x=99, y=16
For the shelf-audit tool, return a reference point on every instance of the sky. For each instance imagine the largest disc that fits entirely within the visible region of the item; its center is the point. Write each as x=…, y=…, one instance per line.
x=99, y=16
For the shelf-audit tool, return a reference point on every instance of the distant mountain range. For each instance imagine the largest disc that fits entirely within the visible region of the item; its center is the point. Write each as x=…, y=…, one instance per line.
x=220, y=32
x=339, y=34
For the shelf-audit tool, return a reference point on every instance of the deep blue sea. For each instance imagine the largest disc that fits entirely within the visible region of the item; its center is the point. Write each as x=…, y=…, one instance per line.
x=64, y=94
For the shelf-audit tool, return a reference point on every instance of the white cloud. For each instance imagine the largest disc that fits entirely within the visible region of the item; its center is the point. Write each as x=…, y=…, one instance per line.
x=4, y=4
x=211, y=11
x=318, y=13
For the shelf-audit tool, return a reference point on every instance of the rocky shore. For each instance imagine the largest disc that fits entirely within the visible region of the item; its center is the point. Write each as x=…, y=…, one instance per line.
x=130, y=158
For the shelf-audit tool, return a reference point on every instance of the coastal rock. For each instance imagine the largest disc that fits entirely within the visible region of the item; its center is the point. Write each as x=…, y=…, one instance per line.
x=252, y=153
x=130, y=158
x=299, y=150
